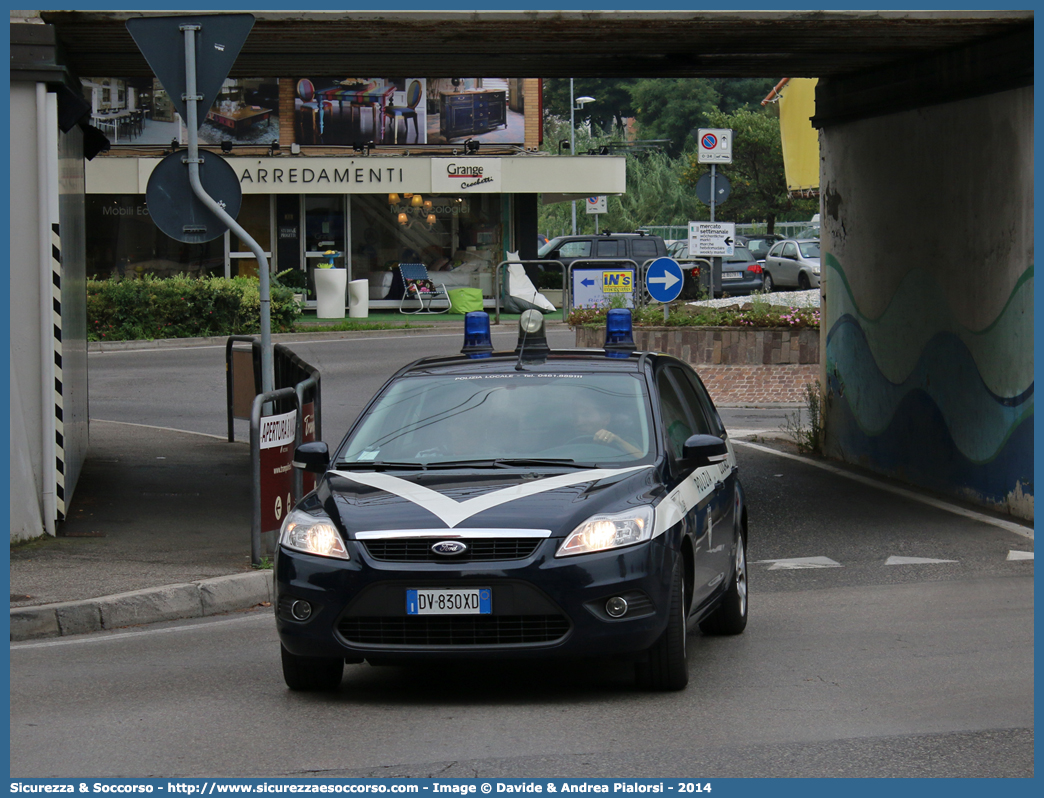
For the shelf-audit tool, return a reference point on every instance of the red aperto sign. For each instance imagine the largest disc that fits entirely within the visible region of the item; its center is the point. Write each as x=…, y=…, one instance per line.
x=277, y=475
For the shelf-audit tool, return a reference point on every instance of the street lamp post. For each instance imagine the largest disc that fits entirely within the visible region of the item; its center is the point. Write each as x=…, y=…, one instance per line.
x=574, y=106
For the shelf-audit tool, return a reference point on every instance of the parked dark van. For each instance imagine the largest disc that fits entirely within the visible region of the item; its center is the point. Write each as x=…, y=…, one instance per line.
x=638, y=247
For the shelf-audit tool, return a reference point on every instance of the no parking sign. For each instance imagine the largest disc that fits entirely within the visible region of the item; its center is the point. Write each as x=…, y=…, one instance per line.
x=596, y=204
x=715, y=145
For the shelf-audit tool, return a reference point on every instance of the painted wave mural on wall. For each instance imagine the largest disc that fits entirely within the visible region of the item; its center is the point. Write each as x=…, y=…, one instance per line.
x=915, y=394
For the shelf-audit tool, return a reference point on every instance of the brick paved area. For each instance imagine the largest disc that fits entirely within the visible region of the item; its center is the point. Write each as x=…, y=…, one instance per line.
x=739, y=385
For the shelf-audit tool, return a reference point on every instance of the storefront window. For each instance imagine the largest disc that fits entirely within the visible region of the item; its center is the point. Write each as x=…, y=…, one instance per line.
x=457, y=238
x=324, y=232
x=123, y=241
x=254, y=217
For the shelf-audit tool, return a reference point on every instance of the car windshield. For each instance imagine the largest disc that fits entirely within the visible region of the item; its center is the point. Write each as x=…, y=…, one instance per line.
x=549, y=247
x=433, y=419
x=809, y=249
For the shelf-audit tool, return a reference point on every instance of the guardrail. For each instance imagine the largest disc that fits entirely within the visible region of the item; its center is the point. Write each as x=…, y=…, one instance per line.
x=243, y=380
x=296, y=384
x=284, y=395
x=498, y=288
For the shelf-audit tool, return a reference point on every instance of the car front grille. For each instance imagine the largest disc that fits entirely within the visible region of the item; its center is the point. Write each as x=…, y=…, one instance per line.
x=493, y=630
x=479, y=550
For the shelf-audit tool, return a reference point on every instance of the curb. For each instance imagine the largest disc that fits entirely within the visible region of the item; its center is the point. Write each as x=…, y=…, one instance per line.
x=152, y=605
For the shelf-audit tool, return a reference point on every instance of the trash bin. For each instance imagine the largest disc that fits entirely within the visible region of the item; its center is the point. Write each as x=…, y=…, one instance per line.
x=330, y=285
x=359, y=299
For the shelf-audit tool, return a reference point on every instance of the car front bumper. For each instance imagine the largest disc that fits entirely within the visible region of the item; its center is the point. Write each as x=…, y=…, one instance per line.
x=541, y=606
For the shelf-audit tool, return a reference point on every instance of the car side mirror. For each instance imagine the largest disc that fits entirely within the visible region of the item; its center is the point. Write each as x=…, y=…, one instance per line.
x=313, y=456
x=704, y=450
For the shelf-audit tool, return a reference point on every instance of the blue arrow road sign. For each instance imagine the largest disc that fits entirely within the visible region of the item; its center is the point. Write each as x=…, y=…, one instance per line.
x=664, y=279
x=587, y=281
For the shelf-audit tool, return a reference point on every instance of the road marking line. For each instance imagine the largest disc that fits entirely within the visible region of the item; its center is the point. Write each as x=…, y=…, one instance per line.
x=1020, y=555
x=894, y=560
x=98, y=637
x=798, y=563
x=1010, y=526
x=163, y=429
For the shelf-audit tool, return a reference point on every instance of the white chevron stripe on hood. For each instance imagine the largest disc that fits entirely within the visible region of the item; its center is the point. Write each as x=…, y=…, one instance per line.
x=453, y=512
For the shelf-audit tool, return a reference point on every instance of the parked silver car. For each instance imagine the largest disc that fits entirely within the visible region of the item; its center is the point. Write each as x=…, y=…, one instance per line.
x=792, y=263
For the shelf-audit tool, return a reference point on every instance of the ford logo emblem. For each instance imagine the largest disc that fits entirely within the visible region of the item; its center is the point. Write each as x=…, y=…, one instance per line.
x=449, y=547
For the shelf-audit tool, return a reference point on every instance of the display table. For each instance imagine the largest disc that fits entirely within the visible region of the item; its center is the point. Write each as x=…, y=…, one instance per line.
x=239, y=120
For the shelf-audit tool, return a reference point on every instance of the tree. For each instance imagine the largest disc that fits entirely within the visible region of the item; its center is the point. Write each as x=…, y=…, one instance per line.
x=668, y=108
x=612, y=100
x=736, y=93
x=759, y=184
x=655, y=196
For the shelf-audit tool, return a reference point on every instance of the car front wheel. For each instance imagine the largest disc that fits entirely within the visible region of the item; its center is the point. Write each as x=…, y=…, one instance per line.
x=730, y=618
x=803, y=282
x=311, y=673
x=667, y=666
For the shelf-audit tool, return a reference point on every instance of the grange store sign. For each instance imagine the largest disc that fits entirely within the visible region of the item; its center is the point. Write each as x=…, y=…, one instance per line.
x=466, y=175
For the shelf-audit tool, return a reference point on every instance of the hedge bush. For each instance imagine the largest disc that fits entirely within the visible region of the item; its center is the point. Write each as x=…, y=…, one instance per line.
x=755, y=312
x=183, y=307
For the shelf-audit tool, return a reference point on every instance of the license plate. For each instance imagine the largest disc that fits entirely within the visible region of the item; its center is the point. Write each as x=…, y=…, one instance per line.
x=731, y=275
x=449, y=601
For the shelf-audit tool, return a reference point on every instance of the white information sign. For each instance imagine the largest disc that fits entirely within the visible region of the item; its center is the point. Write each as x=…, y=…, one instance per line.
x=596, y=287
x=715, y=145
x=596, y=204
x=278, y=430
x=714, y=239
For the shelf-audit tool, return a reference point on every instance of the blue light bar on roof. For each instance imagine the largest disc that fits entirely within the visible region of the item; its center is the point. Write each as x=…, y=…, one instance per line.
x=477, y=340
x=619, y=337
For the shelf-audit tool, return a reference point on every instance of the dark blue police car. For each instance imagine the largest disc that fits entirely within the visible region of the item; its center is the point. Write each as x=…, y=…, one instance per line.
x=533, y=503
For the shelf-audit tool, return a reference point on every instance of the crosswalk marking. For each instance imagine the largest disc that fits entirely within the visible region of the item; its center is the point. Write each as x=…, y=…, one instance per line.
x=1020, y=555
x=796, y=563
x=894, y=560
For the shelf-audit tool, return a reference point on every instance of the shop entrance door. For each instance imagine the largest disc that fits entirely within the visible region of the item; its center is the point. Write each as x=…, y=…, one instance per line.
x=256, y=217
x=324, y=232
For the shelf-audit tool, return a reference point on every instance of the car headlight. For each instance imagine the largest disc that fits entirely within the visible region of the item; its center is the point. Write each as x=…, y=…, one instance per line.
x=312, y=534
x=609, y=531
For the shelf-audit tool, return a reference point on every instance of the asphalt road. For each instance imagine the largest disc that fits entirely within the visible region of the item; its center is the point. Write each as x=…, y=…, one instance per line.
x=859, y=668
x=185, y=388
x=887, y=638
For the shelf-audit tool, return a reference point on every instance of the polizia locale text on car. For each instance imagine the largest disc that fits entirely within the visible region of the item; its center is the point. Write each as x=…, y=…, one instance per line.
x=528, y=503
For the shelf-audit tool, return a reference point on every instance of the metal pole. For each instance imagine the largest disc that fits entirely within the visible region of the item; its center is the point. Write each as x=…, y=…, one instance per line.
x=715, y=261
x=191, y=98
x=572, y=140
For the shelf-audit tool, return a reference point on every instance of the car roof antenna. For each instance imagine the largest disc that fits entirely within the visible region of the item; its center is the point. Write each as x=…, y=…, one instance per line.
x=521, y=349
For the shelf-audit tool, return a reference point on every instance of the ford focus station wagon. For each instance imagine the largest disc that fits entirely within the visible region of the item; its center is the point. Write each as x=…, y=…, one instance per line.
x=527, y=503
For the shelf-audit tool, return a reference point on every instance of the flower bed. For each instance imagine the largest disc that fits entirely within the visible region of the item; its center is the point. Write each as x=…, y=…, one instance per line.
x=754, y=333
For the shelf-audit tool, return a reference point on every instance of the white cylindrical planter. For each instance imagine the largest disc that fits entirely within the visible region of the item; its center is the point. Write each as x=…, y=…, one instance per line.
x=330, y=287
x=359, y=299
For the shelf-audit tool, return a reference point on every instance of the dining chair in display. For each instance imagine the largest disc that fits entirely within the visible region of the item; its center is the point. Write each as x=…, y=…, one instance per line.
x=311, y=102
x=406, y=113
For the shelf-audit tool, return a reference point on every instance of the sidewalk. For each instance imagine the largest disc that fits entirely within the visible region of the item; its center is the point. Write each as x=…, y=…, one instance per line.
x=159, y=529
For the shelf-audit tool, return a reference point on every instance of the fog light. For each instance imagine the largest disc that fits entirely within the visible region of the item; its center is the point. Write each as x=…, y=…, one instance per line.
x=616, y=607
x=302, y=610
